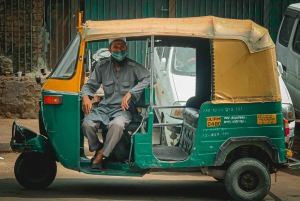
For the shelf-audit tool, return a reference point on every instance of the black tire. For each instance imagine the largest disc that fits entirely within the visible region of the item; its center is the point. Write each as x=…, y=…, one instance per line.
x=247, y=179
x=290, y=143
x=35, y=170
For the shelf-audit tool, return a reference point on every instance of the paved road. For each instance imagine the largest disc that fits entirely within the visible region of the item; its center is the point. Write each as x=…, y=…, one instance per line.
x=71, y=185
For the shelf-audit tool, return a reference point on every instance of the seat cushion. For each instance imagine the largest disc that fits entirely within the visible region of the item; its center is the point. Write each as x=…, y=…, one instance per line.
x=190, y=116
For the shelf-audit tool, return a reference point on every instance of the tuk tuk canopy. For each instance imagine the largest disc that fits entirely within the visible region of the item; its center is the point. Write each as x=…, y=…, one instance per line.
x=256, y=37
x=244, y=67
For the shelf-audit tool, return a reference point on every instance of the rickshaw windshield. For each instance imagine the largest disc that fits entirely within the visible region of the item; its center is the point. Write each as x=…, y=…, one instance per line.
x=65, y=68
x=184, y=61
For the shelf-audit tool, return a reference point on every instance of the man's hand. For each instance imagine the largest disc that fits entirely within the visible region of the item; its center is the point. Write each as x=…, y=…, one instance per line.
x=125, y=100
x=86, y=104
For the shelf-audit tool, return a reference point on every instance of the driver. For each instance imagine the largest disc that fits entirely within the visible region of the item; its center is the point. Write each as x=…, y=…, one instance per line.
x=184, y=62
x=122, y=79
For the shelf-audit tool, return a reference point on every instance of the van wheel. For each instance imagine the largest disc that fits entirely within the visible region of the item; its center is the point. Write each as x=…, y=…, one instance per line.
x=290, y=143
x=247, y=179
x=35, y=170
x=163, y=140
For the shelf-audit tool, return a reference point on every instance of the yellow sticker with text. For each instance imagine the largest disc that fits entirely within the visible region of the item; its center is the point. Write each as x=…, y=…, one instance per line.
x=213, y=121
x=266, y=119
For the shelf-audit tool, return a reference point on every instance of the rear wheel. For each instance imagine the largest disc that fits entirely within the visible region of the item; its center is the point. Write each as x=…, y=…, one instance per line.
x=35, y=170
x=290, y=143
x=247, y=179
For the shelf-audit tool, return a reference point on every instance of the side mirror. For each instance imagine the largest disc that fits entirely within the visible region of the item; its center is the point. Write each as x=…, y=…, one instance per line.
x=280, y=68
x=163, y=64
x=88, y=60
x=38, y=79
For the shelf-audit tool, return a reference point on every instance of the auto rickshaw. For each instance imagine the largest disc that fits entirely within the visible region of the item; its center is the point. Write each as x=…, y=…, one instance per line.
x=232, y=129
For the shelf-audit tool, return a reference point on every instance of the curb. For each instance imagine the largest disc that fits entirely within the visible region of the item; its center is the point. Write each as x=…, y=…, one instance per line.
x=5, y=147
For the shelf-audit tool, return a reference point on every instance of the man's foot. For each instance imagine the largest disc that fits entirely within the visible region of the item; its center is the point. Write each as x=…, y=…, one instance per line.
x=96, y=167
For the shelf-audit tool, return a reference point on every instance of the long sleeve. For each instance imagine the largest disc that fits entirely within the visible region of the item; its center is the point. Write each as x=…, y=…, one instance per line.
x=93, y=83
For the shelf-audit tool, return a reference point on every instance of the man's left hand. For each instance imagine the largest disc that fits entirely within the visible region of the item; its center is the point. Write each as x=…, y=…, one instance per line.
x=125, y=100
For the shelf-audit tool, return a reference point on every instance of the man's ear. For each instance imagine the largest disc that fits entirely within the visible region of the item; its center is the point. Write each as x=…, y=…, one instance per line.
x=109, y=49
x=126, y=48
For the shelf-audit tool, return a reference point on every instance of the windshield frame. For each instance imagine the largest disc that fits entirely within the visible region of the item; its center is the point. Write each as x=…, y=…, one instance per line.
x=74, y=43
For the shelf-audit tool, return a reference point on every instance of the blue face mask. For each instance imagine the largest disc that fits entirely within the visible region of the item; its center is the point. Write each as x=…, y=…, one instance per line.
x=119, y=56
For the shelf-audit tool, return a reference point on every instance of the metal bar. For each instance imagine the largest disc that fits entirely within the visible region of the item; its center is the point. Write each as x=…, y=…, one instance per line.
x=50, y=33
x=151, y=72
x=19, y=34
x=69, y=21
x=30, y=35
x=44, y=32
x=63, y=29
x=12, y=35
x=24, y=27
x=56, y=38
x=5, y=39
x=166, y=124
x=173, y=106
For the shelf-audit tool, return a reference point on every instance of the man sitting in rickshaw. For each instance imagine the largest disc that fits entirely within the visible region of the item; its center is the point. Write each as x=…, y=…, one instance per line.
x=123, y=79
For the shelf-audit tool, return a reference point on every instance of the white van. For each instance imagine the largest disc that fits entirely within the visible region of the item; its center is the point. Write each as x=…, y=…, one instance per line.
x=288, y=52
x=175, y=70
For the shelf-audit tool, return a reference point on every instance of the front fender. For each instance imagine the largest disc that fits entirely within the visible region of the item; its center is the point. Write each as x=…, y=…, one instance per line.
x=232, y=143
x=24, y=139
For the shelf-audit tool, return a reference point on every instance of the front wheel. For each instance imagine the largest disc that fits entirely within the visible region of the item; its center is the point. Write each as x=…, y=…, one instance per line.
x=35, y=170
x=247, y=179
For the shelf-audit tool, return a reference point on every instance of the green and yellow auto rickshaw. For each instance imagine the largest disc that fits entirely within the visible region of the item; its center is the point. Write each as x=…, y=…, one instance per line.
x=232, y=128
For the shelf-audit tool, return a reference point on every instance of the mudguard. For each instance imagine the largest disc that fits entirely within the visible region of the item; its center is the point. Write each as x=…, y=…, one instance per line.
x=26, y=140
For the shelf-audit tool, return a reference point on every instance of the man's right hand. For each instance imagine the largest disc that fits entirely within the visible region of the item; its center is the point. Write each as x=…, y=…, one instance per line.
x=86, y=104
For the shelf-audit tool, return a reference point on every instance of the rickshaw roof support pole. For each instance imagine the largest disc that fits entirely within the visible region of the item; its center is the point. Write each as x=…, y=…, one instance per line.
x=151, y=72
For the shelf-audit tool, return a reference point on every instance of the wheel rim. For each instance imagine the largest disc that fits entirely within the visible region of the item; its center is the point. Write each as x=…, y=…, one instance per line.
x=36, y=171
x=248, y=181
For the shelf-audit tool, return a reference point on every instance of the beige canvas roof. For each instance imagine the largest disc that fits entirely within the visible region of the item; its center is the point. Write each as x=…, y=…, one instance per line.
x=256, y=37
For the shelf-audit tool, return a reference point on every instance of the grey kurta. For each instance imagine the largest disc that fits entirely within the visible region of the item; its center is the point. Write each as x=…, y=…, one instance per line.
x=132, y=77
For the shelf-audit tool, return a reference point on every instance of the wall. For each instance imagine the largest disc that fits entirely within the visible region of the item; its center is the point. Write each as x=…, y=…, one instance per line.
x=19, y=97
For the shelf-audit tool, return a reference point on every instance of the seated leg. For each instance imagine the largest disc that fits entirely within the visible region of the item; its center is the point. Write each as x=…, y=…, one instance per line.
x=114, y=134
x=89, y=130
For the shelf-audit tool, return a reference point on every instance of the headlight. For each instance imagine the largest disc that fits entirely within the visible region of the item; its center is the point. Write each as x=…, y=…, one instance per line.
x=177, y=112
x=288, y=111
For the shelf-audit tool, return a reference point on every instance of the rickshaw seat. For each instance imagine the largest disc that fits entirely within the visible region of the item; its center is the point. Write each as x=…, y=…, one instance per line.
x=190, y=116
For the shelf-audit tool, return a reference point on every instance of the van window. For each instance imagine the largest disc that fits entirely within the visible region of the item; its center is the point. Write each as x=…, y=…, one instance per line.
x=286, y=30
x=184, y=61
x=65, y=67
x=296, y=42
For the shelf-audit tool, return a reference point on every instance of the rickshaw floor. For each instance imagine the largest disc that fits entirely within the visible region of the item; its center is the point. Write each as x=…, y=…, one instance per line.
x=168, y=153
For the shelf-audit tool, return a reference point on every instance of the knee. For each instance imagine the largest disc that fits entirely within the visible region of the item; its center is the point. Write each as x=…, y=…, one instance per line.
x=85, y=125
x=117, y=125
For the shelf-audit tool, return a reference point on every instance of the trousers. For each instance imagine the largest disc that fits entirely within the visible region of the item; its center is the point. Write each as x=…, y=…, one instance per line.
x=114, y=134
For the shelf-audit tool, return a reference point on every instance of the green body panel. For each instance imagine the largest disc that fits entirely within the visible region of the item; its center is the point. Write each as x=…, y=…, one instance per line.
x=39, y=143
x=62, y=123
x=237, y=120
